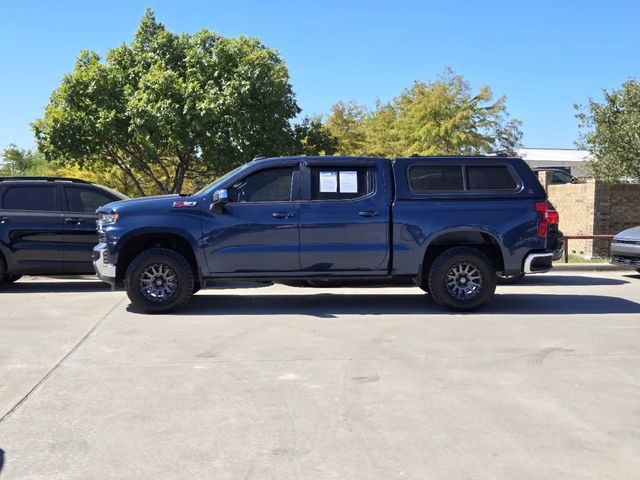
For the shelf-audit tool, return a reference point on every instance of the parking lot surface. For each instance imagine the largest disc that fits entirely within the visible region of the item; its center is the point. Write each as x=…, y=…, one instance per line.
x=279, y=382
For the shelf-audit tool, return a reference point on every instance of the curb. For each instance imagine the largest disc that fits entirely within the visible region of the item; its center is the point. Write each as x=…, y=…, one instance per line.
x=589, y=267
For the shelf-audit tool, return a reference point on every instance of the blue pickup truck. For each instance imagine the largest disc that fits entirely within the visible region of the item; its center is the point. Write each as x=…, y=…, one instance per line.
x=446, y=224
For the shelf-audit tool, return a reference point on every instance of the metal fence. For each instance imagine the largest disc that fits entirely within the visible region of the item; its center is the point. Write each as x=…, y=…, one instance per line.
x=586, y=237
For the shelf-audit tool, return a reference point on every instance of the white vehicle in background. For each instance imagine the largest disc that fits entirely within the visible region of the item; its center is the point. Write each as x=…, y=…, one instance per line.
x=625, y=248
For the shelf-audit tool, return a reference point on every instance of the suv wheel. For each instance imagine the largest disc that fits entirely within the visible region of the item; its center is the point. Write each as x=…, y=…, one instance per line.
x=159, y=280
x=509, y=279
x=325, y=283
x=462, y=279
x=6, y=277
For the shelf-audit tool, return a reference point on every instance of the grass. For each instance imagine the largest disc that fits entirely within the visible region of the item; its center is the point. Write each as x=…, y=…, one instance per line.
x=579, y=259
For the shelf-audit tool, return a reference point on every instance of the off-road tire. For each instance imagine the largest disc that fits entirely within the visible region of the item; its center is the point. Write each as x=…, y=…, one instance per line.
x=509, y=280
x=159, y=256
x=455, y=257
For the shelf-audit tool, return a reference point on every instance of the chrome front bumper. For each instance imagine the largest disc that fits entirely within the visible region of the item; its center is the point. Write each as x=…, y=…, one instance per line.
x=104, y=270
x=538, y=262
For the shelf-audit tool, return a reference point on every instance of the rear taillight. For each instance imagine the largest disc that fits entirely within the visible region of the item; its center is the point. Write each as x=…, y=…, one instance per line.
x=543, y=223
x=552, y=217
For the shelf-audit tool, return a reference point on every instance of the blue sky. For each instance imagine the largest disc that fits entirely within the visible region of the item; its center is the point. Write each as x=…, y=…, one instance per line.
x=543, y=55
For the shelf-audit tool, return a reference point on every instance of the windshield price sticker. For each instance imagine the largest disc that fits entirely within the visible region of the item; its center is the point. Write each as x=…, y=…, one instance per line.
x=348, y=182
x=328, y=182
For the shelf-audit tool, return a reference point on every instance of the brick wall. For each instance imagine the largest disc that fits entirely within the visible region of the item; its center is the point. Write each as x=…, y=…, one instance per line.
x=576, y=205
x=594, y=208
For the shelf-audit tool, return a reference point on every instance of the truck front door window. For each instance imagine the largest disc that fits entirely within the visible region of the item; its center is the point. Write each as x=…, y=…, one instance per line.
x=270, y=185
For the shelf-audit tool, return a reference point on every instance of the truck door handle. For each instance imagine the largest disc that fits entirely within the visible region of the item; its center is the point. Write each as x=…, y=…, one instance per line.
x=4, y=220
x=369, y=213
x=75, y=220
x=283, y=214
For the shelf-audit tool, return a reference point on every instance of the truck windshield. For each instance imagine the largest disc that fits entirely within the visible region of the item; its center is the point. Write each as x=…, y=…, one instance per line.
x=216, y=184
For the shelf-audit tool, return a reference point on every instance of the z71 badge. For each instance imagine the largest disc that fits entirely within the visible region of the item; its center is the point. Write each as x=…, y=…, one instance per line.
x=184, y=204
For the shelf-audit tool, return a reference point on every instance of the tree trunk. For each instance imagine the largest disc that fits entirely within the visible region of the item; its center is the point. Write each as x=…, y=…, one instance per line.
x=178, y=178
x=127, y=171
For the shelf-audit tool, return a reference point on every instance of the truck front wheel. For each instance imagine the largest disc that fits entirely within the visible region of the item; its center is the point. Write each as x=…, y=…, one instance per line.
x=462, y=279
x=158, y=280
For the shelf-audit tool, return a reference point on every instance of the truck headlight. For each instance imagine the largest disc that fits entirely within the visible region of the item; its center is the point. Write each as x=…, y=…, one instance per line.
x=107, y=219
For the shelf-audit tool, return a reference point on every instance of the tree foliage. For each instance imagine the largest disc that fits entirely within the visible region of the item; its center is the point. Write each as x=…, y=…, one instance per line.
x=440, y=117
x=20, y=162
x=312, y=137
x=611, y=132
x=170, y=107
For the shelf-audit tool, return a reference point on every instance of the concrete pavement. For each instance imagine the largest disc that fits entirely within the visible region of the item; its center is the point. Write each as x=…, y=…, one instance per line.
x=298, y=383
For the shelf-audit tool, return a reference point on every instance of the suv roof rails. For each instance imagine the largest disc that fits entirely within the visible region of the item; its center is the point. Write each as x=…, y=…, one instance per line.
x=259, y=156
x=48, y=179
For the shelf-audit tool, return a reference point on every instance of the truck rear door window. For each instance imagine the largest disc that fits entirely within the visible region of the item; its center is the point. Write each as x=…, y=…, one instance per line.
x=339, y=183
x=436, y=178
x=490, y=177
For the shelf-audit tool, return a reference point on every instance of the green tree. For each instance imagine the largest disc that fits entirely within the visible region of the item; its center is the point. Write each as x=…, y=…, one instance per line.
x=611, y=132
x=440, y=117
x=170, y=107
x=346, y=124
x=20, y=162
x=313, y=138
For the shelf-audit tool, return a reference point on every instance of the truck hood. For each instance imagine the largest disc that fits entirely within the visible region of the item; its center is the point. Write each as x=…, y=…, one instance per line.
x=157, y=201
x=629, y=234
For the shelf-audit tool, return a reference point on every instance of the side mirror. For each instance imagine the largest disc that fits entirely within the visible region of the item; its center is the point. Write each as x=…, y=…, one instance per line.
x=220, y=199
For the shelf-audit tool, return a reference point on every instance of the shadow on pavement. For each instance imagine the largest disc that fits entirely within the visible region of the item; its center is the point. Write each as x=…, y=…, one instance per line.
x=71, y=286
x=327, y=305
x=569, y=280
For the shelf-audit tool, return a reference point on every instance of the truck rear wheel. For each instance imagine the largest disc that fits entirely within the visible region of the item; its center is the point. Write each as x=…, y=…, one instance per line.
x=159, y=280
x=462, y=279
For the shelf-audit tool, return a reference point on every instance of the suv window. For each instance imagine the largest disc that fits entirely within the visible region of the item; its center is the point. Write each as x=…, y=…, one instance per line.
x=490, y=177
x=430, y=178
x=29, y=198
x=270, y=185
x=341, y=183
x=85, y=199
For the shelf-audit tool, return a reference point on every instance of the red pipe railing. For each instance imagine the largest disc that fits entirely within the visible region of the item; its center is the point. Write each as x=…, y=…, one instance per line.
x=585, y=237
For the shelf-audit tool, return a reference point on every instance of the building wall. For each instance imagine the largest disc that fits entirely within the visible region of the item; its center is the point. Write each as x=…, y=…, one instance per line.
x=594, y=208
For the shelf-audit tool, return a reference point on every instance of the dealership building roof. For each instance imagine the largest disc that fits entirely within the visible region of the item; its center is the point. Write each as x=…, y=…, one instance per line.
x=556, y=157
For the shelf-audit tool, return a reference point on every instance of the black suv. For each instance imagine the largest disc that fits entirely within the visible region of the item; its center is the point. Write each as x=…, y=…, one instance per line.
x=48, y=225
